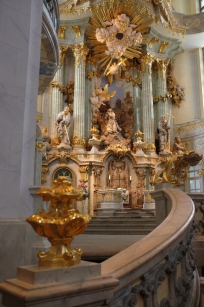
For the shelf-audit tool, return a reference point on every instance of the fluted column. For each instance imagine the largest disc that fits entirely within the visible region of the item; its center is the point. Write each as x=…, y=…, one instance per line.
x=137, y=103
x=163, y=105
x=57, y=102
x=147, y=99
x=80, y=52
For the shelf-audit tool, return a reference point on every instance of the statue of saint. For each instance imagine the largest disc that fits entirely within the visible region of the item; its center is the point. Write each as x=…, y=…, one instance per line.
x=178, y=147
x=163, y=128
x=111, y=123
x=63, y=126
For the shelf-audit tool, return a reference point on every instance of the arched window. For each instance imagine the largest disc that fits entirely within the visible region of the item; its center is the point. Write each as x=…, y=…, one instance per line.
x=201, y=6
x=194, y=179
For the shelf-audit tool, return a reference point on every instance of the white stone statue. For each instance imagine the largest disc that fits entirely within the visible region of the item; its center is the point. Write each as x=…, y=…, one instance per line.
x=178, y=147
x=163, y=128
x=111, y=123
x=63, y=126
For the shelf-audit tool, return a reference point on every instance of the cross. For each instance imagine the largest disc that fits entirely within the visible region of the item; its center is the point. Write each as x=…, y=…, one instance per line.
x=171, y=116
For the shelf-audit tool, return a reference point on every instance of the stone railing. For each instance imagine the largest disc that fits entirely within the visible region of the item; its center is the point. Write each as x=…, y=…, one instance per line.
x=157, y=271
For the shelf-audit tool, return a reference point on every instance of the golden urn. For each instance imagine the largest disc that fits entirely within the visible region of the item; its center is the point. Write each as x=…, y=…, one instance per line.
x=60, y=224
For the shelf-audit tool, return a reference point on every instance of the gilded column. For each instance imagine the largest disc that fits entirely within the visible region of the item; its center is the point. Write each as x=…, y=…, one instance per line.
x=57, y=102
x=80, y=53
x=147, y=99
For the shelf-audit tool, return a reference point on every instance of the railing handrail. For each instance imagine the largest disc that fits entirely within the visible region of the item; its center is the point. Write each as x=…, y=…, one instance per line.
x=160, y=241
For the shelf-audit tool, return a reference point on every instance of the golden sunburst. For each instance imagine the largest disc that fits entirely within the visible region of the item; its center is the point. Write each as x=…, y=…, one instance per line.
x=108, y=10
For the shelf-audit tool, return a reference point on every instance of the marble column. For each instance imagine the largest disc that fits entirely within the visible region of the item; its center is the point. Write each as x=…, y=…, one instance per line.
x=88, y=106
x=57, y=102
x=80, y=52
x=147, y=99
x=163, y=104
x=137, y=103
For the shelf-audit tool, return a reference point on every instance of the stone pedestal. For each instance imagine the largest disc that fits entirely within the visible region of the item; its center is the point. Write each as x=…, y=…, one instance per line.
x=38, y=286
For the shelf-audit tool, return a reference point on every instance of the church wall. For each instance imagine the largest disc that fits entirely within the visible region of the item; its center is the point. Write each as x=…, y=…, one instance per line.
x=20, y=37
x=186, y=6
x=187, y=74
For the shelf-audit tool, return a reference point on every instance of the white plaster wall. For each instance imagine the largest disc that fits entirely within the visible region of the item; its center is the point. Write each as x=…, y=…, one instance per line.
x=20, y=37
x=186, y=6
x=186, y=72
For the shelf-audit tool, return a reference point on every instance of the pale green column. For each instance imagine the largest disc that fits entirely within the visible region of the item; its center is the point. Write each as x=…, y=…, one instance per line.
x=57, y=103
x=163, y=106
x=80, y=52
x=88, y=105
x=137, y=104
x=147, y=100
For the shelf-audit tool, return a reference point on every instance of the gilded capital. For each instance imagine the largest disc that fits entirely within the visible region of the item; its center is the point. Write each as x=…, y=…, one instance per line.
x=146, y=61
x=63, y=53
x=162, y=65
x=80, y=51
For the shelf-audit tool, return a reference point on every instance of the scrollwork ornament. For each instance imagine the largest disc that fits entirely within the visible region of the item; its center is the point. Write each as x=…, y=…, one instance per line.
x=130, y=300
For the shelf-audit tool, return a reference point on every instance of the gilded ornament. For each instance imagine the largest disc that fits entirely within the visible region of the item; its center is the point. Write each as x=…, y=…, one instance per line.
x=83, y=169
x=80, y=51
x=201, y=172
x=63, y=53
x=118, y=150
x=60, y=224
x=128, y=20
x=39, y=117
x=61, y=32
x=78, y=141
x=39, y=146
x=146, y=61
x=43, y=174
x=77, y=31
x=163, y=46
x=153, y=41
x=175, y=169
x=162, y=66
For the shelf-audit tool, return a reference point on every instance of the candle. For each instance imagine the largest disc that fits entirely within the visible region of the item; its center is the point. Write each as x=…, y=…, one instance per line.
x=109, y=177
x=130, y=178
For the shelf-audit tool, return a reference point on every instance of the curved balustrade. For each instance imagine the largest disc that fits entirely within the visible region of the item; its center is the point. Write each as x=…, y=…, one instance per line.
x=159, y=268
x=157, y=271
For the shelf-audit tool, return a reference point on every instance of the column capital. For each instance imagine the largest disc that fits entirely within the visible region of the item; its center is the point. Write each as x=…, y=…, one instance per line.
x=63, y=53
x=80, y=51
x=146, y=60
x=162, y=66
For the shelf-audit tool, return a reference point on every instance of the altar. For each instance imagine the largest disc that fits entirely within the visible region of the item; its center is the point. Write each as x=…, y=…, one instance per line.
x=108, y=201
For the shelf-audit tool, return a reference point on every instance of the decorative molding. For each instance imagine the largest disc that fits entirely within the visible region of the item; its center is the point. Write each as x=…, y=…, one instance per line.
x=189, y=127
